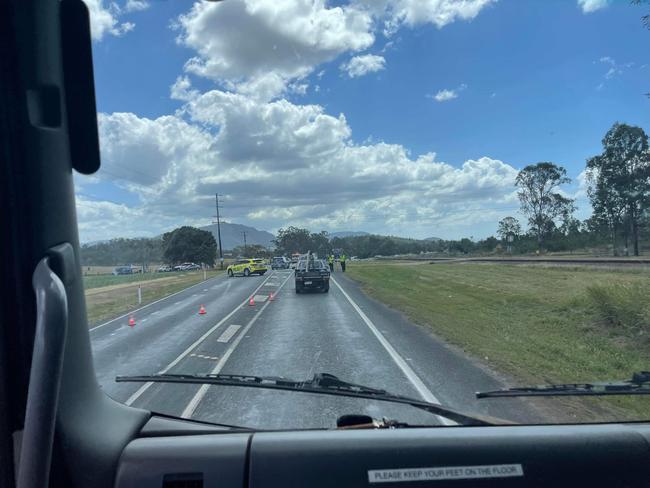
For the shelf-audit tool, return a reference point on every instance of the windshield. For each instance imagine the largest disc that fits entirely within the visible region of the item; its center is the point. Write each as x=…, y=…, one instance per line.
x=470, y=180
x=315, y=264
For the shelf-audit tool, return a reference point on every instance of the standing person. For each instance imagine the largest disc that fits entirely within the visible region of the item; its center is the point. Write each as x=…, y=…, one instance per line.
x=330, y=261
x=343, y=262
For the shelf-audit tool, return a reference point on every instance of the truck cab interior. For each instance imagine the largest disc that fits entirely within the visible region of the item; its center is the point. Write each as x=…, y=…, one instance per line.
x=57, y=427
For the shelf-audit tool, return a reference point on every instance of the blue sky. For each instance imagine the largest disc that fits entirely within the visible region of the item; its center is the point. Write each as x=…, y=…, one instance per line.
x=406, y=117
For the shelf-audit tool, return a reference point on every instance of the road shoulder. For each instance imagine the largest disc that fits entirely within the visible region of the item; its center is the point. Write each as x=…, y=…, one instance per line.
x=447, y=369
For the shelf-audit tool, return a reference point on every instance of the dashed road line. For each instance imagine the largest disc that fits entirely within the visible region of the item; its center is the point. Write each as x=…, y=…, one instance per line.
x=415, y=380
x=204, y=356
x=228, y=333
x=187, y=351
x=188, y=411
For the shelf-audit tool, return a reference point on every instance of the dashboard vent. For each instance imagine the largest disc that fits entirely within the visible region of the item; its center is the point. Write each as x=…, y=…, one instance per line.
x=183, y=480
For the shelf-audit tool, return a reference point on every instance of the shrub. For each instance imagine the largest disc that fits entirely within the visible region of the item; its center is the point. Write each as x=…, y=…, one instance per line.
x=621, y=305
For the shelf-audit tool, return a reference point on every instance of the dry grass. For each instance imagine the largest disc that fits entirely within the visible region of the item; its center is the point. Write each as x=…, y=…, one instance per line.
x=104, y=303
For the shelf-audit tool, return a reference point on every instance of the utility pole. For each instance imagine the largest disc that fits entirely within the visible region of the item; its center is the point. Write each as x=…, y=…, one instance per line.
x=219, y=233
x=245, y=251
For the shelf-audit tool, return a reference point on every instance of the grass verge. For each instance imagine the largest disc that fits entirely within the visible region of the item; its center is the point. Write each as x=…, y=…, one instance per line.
x=533, y=324
x=114, y=299
x=98, y=281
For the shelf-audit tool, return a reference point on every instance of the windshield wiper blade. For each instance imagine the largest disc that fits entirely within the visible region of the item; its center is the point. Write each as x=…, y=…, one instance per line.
x=638, y=385
x=322, y=383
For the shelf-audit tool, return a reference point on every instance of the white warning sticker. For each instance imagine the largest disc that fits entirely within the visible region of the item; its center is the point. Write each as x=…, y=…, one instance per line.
x=445, y=473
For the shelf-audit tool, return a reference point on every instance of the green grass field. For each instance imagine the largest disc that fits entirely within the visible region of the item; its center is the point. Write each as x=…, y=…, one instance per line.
x=97, y=281
x=533, y=324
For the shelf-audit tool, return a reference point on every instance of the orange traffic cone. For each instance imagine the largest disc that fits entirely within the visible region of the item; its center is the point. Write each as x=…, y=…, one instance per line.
x=251, y=302
x=202, y=310
x=271, y=297
x=131, y=321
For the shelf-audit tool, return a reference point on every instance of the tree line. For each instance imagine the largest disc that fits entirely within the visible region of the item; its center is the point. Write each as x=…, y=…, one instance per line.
x=122, y=251
x=184, y=244
x=618, y=187
x=295, y=239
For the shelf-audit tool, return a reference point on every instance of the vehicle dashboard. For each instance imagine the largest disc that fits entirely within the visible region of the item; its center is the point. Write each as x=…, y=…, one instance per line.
x=580, y=455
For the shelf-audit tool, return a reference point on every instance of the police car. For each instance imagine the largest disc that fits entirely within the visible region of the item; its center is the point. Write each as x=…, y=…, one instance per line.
x=247, y=267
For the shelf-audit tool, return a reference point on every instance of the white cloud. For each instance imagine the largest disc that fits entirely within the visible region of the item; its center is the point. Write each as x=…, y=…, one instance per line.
x=105, y=20
x=269, y=43
x=448, y=94
x=182, y=89
x=445, y=95
x=614, y=69
x=264, y=87
x=440, y=13
x=301, y=162
x=589, y=6
x=247, y=39
x=362, y=65
x=299, y=88
x=148, y=157
x=136, y=5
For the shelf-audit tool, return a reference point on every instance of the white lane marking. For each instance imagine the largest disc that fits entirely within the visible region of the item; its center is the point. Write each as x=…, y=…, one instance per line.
x=196, y=399
x=187, y=351
x=153, y=303
x=415, y=380
x=228, y=333
x=260, y=298
x=204, y=356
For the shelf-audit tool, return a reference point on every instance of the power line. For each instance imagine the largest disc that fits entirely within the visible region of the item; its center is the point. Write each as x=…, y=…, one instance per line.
x=216, y=195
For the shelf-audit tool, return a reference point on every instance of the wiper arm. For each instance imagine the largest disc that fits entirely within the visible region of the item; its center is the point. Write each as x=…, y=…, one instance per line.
x=638, y=385
x=324, y=384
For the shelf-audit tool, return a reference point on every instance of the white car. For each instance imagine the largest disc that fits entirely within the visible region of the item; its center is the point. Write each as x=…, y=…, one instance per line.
x=187, y=267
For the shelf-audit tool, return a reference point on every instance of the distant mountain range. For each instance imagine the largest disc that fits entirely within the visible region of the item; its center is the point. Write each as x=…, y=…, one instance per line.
x=232, y=235
x=361, y=233
x=348, y=234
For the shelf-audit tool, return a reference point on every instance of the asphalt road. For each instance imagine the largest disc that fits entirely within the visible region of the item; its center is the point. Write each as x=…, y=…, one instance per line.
x=343, y=332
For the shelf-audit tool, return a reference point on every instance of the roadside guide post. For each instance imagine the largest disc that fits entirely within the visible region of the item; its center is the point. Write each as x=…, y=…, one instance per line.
x=139, y=294
x=205, y=274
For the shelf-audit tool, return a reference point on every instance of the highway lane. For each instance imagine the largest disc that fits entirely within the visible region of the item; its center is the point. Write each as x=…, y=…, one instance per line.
x=163, y=329
x=343, y=332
